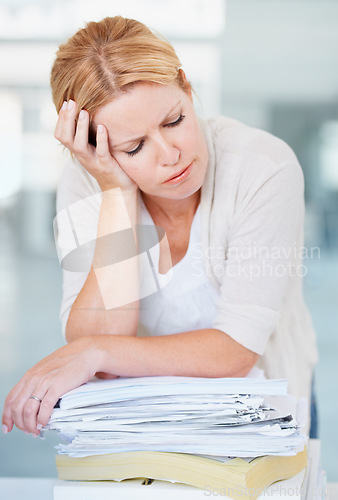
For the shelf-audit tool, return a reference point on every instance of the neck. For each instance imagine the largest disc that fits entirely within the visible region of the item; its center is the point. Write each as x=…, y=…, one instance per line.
x=172, y=210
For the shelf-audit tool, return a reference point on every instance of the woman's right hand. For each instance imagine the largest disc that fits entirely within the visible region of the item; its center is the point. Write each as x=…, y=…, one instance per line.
x=97, y=161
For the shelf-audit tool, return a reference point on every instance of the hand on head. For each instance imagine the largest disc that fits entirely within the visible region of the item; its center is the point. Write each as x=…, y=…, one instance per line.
x=73, y=133
x=94, y=67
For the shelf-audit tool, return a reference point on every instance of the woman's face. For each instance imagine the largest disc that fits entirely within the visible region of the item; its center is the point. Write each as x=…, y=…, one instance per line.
x=156, y=138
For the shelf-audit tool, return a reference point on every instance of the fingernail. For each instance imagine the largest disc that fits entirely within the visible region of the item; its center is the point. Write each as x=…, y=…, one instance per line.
x=100, y=129
x=70, y=104
x=27, y=433
x=35, y=435
x=39, y=427
x=81, y=115
x=64, y=106
x=4, y=429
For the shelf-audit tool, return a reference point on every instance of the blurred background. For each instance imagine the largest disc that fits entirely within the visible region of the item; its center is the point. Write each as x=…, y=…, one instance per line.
x=272, y=64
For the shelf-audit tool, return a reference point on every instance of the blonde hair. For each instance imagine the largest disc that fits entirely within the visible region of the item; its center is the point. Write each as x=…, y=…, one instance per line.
x=104, y=58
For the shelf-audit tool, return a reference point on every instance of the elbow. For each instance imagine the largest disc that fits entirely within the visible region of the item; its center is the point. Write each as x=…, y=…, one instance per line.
x=247, y=363
x=78, y=326
x=238, y=360
x=240, y=365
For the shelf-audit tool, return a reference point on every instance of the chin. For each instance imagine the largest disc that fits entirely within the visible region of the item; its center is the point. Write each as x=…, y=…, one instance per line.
x=191, y=187
x=185, y=191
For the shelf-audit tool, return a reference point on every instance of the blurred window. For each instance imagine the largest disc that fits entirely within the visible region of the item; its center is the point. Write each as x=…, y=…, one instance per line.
x=10, y=144
x=329, y=155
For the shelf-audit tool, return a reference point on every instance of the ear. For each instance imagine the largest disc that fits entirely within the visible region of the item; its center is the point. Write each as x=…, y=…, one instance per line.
x=186, y=84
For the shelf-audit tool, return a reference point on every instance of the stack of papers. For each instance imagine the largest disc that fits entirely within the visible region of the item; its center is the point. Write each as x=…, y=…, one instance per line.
x=216, y=418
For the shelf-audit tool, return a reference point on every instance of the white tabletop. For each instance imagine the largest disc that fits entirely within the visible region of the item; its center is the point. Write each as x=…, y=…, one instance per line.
x=19, y=488
x=15, y=488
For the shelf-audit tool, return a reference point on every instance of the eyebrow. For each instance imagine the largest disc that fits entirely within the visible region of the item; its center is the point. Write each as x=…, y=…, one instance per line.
x=137, y=139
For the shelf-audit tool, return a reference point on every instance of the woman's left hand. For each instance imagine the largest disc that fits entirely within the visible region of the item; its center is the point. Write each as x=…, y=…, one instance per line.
x=67, y=368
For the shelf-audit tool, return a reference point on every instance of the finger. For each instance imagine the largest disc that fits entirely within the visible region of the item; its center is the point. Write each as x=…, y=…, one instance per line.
x=102, y=146
x=81, y=146
x=15, y=404
x=30, y=412
x=38, y=403
x=50, y=399
x=17, y=409
x=7, y=420
x=66, y=124
x=7, y=415
x=24, y=408
x=33, y=402
x=60, y=122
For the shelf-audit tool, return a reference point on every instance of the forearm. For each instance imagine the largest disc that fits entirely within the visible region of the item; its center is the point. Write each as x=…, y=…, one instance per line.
x=108, y=301
x=199, y=353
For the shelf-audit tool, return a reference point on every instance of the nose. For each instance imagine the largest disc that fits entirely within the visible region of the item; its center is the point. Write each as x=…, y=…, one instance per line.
x=173, y=161
x=169, y=154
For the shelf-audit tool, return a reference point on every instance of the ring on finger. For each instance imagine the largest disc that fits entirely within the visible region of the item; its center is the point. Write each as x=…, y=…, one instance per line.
x=36, y=399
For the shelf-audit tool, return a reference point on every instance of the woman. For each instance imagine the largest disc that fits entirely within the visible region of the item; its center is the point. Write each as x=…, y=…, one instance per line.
x=230, y=199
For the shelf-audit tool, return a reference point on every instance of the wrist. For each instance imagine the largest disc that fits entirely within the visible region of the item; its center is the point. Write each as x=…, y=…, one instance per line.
x=102, y=353
x=95, y=351
x=118, y=194
x=130, y=188
x=118, y=210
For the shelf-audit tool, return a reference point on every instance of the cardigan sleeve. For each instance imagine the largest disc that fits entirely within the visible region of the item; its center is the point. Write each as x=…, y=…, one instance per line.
x=263, y=254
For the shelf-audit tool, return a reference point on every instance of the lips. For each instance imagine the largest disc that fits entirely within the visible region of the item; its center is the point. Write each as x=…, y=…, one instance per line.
x=180, y=175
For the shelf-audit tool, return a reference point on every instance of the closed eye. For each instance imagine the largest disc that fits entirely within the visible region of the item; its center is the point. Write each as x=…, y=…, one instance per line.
x=141, y=144
x=177, y=122
x=136, y=150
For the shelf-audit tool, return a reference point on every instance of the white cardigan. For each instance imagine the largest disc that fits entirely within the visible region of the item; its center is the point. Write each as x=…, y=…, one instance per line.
x=252, y=237
x=252, y=217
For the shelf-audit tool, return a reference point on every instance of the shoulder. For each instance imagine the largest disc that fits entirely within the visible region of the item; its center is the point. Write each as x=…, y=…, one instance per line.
x=230, y=136
x=244, y=158
x=75, y=184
